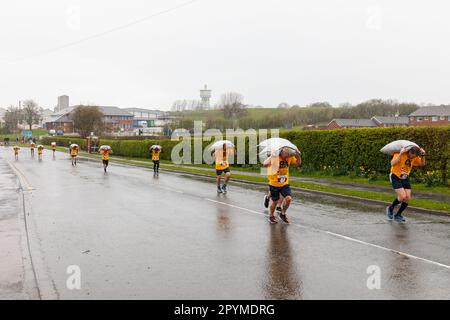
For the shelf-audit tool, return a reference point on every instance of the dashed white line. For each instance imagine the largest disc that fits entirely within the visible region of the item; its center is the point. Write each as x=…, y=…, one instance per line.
x=337, y=235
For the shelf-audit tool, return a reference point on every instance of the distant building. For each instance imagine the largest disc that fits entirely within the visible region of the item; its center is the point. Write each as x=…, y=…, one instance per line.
x=114, y=118
x=63, y=103
x=430, y=116
x=351, y=123
x=397, y=121
x=146, y=118
x=45, y=114
x=60, y=121
x=377, y=121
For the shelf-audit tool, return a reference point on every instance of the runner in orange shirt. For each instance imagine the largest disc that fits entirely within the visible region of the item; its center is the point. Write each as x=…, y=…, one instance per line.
x=278, y=174
x=40, y=151
x=16, y=152
x=74, y=153
x=156, y=152
x=223, y=167
x=401, y=166
x=32, y=145
x=105, y=151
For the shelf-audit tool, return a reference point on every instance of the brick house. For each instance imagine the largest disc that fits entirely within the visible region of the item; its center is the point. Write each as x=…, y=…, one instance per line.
x=430, y=116
x=114, y=118
x=59, y=121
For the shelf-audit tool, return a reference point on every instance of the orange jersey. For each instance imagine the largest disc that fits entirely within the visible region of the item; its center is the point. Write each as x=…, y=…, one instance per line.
x=105, y=154
x=222, y=162
x=278, y=171
x=74, y=151
x=155, y=154
x=405, y=165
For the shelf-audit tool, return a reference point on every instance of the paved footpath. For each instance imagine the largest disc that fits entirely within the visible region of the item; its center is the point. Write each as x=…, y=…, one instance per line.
x=16, y=275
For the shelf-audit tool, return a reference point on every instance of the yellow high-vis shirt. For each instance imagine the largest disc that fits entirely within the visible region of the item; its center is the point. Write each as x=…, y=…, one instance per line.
x=74, y=151
x=155, y=154
x=222, y=162
x=16, y=150
x=105, y=154
x=405, y=165
x=278, y=171
x=40, y=151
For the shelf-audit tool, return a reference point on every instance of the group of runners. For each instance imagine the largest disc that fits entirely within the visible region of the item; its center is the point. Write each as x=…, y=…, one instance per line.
x=279, y=196
x=277, y=173
x=40, y=150
x=105, y=152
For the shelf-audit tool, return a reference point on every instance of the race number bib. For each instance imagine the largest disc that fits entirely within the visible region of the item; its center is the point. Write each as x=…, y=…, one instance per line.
x=281, y=179
x=404, y=176
x=224, y=163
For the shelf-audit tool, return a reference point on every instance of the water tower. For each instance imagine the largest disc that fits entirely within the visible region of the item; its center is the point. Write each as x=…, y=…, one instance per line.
x=205, y=94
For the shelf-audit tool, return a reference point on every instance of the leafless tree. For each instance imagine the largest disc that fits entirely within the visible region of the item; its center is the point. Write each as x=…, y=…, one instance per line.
x=13, y=116
x=232, y=104
x=31, y=113
x=284, y=105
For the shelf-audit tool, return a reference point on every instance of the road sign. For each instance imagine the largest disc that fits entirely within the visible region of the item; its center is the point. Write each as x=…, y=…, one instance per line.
x=27, y=133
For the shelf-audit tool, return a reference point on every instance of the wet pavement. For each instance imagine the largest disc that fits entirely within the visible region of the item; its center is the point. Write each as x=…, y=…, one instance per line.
x=134, y=235
x=15, y=269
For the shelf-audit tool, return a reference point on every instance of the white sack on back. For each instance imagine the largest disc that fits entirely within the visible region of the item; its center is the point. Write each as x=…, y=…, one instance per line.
x=219, y=145
x=272, y=150
x=397, y=145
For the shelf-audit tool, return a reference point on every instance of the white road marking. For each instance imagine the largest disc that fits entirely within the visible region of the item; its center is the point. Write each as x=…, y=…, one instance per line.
x=337, y=235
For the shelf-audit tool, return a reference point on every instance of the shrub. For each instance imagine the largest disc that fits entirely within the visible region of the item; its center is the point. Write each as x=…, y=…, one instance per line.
x=336, y=152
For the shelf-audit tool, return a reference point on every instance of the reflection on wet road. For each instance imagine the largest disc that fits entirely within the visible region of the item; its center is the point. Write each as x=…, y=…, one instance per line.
x=134, y=235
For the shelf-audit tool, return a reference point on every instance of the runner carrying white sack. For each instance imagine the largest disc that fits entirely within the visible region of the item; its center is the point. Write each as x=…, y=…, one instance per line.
x=398, y=145
x=273, y=146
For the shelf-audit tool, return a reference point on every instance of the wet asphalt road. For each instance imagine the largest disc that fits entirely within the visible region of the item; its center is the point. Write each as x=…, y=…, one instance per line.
x=134, y=235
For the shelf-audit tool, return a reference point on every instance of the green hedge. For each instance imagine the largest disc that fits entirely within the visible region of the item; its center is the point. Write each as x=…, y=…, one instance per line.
x=340, y=152
x=64, y=141
x=358, y=150
x=131, y=148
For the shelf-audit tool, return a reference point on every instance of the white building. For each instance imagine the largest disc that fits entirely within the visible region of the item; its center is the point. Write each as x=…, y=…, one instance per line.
x=146, y=118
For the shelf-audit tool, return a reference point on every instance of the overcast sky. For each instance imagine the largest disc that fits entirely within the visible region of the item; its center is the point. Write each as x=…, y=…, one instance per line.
x=271, y=51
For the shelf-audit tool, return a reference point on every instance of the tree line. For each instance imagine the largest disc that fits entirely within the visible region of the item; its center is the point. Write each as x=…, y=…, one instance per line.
x=29, y=113
x=234, y=113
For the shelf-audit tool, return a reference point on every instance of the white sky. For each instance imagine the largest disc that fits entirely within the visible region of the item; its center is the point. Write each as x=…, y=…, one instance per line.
x=271, y=51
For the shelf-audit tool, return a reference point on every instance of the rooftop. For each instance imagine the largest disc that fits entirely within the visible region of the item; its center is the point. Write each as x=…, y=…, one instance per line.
x=441, y=110
x=391, y=120
x=355, y=122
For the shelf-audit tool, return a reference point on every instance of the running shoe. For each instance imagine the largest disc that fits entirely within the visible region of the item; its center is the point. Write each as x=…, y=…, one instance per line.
x=390, y=213
x=224, y=188
x=266, y=201
x=273, y=220
x=399, y=217
x=219, y=190
x=284, y=218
